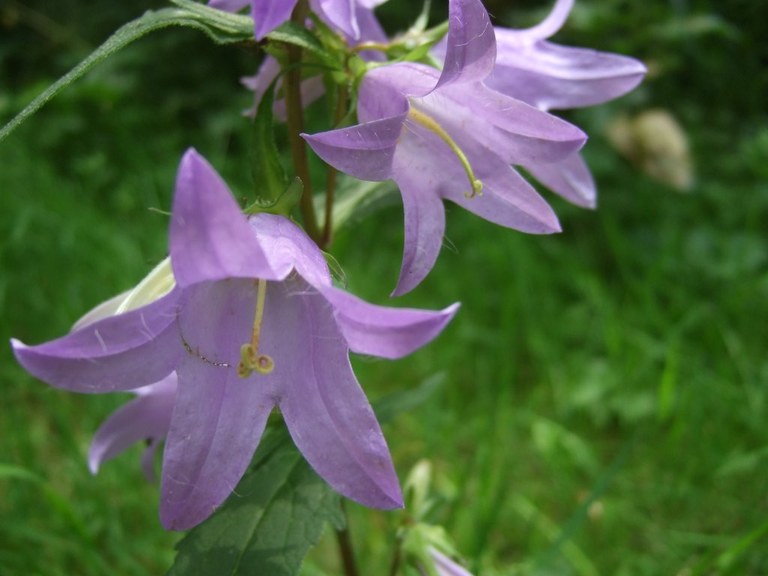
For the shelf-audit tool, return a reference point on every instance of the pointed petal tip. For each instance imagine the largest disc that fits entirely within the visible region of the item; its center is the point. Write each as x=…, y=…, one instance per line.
x=93, y=463
x=18, y=345
x=389, y=496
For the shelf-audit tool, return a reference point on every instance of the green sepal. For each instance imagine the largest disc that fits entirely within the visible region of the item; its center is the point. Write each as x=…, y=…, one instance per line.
x=284, y=203
x=275, y=515
x=292, y=33
x=221, y=27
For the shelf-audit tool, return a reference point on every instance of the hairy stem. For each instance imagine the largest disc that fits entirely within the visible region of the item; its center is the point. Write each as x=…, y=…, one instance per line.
x=295, y=121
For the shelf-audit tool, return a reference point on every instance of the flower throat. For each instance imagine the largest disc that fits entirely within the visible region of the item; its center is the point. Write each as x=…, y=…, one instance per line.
x=250, y=359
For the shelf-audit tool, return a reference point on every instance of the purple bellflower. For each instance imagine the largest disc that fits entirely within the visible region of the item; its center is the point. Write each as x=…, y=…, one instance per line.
x=555, y=77
x=353, y=18
x=448, y=136
x=252, y=322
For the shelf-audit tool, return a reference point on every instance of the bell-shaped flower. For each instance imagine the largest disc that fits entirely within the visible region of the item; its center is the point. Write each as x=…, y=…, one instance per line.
x=252, y=323
x=555, y=77
x=353, y=18
x=448, y=136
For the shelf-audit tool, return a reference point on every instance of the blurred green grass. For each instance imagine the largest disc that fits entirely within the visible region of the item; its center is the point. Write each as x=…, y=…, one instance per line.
x=605, y=399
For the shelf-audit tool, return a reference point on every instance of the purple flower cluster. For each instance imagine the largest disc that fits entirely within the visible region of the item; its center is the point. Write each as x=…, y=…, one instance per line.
x=246, y=317
x=454, y=134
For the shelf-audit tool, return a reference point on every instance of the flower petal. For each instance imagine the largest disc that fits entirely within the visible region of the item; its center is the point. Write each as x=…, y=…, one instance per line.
x=330, y=418
x=120, y=352
x=570, y=178
x=445, y=566
x=550, y=76
x=364, y=151
x=422, y=166
x=144, y=418
x=289, y=245
x=471, y=47
x=384, y=331
x=269, y=14
x=509, y=128
x=340, y=14
x=219, y=417
x=551, y=24
x=507, y=199
x=210, y=237
x=424, y=216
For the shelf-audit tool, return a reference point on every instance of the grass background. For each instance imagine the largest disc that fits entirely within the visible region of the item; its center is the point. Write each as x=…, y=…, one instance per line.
x=606, y=389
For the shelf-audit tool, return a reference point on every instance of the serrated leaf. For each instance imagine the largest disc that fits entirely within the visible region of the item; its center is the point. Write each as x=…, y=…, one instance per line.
x=221, y=27
x=275, y=515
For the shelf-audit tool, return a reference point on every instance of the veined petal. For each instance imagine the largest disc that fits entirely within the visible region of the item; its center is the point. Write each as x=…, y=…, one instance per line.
x=120, y=352
x=289, y=245
x=210, y=237
x=471, y=47
x=570, y=178
x=550, y=76
x=370, y=29
x=269, y=14
x=364, y=151
x=424, y=216
x=509, y=128
x=219, y=417
x=340, y=14
x=507, y=200
x=384, y=331
x=144, y=418
x=330, y=418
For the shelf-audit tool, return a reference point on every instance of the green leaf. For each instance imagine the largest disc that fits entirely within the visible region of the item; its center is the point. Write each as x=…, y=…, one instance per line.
x=275, y=515
x=268, y=172
x=220, y=26
x=292, y=33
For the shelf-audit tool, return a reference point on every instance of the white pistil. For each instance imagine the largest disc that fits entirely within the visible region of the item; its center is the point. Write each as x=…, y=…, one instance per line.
x=430, y=124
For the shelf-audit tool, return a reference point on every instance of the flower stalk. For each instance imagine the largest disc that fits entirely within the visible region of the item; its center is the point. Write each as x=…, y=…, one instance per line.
x=295, y=122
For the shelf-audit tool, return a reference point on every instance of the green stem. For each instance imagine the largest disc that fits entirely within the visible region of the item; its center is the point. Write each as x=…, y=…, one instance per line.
x=330, y=184
x=345, y=548
x=295, y=123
